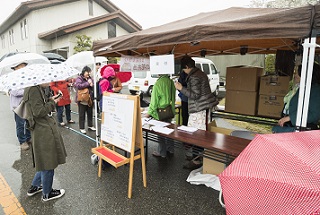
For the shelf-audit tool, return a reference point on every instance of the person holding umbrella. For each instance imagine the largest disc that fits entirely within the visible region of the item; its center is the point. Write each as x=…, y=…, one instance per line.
x=16, y=96
x=47, y=144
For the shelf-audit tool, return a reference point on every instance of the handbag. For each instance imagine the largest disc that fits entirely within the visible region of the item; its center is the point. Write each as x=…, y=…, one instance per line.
x=21, y=110
x=165, y=113
x=83, y=95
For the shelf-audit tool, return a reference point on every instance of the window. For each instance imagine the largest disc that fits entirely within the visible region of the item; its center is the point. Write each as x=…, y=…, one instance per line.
x=11, y=37
x=24, y=29
x=90, y=5
x=3, y=41
x=111, y=30
x=214, y=69
x=206, y=68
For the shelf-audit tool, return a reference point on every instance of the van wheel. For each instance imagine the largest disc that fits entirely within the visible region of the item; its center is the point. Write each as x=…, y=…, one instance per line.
x=149, y=92
x=133, y=92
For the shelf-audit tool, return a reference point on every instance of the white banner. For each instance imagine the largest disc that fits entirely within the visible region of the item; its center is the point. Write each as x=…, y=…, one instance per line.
x=162, y=64
x=133, y=64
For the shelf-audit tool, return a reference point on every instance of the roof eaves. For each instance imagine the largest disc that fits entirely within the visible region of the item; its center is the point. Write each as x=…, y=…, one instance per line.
x=118, y=16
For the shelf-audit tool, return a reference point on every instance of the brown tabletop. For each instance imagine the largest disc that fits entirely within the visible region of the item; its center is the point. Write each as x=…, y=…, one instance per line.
x=226, y=144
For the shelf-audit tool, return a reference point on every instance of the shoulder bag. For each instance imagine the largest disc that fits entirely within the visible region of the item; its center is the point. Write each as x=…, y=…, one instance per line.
x=166, y=113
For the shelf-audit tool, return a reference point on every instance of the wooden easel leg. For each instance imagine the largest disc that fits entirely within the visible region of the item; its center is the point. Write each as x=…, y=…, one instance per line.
x=99, y=167
x=130, y=177
x=143, y=166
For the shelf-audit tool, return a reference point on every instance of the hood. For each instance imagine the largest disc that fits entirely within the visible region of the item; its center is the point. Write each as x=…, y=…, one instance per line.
x=107, y=71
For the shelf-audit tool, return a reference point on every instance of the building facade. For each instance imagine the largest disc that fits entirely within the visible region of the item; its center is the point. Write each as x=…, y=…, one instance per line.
x=42, y=26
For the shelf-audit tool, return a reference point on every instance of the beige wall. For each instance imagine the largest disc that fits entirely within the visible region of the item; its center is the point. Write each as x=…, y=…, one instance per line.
x=224, y=61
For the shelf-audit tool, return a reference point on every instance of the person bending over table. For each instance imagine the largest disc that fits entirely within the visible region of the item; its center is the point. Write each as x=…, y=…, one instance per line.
x=200, y=101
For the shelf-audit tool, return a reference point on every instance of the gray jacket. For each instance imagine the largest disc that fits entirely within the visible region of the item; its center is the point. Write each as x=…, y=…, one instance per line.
x=198, y=91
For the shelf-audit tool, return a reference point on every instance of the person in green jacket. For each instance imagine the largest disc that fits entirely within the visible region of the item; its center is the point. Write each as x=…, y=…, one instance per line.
x=163, y=94
x=47, y=143
x=287, y=123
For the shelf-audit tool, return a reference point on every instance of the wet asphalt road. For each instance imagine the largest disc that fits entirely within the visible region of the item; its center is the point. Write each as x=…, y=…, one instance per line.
x=167, y=191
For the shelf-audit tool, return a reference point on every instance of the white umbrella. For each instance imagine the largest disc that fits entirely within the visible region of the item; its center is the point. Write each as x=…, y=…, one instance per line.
x=30, y=58
x=81, y=59
x=35, y=74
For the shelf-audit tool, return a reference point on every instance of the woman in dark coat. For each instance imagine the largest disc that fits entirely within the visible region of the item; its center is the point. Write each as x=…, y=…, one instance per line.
x=47, y=143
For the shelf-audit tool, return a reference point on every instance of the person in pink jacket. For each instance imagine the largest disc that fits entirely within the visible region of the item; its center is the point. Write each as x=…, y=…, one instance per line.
x=105, y=85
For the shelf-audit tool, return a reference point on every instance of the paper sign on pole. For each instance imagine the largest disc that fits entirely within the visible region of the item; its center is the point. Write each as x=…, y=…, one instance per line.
x=162, y=64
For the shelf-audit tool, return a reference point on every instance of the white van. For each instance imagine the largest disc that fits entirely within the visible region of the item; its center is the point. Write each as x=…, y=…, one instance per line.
x=143, y=81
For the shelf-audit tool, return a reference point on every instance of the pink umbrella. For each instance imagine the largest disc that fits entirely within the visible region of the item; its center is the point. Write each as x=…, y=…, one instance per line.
x=275, y=174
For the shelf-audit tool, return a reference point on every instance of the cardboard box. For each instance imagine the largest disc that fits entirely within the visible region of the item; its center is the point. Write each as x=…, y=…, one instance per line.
x=244, y=78
x=270, y=106
x=211, y=166
x=274, y=85
x=242, y=102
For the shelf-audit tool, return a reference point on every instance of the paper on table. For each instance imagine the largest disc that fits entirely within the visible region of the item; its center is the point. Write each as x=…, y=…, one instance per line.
x=163, y=130
x=158, y=123
x=187, y=128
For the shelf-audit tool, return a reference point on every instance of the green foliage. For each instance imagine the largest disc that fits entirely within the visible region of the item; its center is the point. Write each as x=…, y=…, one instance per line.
x=270, y=63
x=84, y=43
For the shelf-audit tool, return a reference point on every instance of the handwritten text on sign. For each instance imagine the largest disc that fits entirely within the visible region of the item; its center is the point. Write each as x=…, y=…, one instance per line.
x=118, y=121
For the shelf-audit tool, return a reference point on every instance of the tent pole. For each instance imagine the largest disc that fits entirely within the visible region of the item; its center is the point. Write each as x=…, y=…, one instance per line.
x=95, y=100
x=309, y=46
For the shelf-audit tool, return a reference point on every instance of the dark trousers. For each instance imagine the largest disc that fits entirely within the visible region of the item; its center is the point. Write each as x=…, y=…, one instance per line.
x=83, y=109
x=184, y=113
x=60, y=113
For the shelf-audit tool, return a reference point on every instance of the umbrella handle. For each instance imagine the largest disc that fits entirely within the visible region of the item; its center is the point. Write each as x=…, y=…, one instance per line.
x=220, y=199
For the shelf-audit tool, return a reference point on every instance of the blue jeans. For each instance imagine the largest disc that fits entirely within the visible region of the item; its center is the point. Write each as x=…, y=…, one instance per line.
x=46, y=177
x=60, y=113
x=23, y=133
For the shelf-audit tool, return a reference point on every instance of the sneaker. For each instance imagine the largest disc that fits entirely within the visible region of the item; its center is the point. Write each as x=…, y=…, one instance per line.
x=71, y=121
x=157, y=154
x=33, y=190
x=192, y=165
x=92, y=128
x=83, y=131
x=24, y=146
x=54, y=194
x=62, y=124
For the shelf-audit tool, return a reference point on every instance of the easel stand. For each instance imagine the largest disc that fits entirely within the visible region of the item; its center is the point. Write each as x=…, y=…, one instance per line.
x=121, y=128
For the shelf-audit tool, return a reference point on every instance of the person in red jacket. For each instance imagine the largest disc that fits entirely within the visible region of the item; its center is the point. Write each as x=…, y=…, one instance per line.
x=64, y=102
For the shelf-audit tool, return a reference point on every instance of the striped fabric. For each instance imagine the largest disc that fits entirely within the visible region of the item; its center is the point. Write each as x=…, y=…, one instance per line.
x=275, y=174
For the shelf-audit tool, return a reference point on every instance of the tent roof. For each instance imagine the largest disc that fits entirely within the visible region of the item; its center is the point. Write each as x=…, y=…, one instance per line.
x=259, y=30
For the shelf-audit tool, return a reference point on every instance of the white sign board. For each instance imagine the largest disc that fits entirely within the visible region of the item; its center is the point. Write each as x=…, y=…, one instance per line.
x=118, y=121
x=134, y=64
x=162, y=64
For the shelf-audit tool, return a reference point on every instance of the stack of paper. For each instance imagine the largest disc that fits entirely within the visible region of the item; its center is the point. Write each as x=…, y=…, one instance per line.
x=163, y=130
x=187, y=128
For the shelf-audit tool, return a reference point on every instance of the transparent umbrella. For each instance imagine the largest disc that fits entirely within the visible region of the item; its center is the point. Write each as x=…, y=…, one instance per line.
x=30, y=58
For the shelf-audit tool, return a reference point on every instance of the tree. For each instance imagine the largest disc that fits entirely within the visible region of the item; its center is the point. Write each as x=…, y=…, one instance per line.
x=270, y=63
x=84, y=43
x=281, y=3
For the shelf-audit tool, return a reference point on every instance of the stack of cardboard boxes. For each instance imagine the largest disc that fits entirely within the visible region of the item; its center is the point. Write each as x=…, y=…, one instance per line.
x=273, y=88
x=242, y=85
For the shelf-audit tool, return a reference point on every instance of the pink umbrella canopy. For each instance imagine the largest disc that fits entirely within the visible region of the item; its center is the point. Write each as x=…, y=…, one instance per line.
x=275, y=174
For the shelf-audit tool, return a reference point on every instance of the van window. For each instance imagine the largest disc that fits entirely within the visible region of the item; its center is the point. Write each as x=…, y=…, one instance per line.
x=206, y=68
x=198, y=66
x=154, y=75
x=213, y=69
x=140, y=74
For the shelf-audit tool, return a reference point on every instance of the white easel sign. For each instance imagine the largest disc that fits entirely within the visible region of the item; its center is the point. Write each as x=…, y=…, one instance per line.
x=162, y=64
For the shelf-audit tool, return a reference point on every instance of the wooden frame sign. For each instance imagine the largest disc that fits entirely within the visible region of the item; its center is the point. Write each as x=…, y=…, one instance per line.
x=121, y=128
